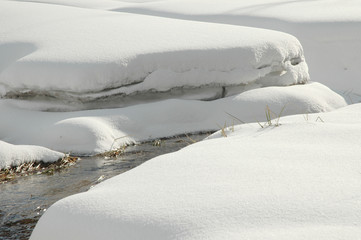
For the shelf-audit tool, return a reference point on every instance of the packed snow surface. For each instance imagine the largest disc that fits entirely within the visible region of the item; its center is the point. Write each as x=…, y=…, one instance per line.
x=93, y=131
x=79, y=54
x=13, y=155
x=299, y=180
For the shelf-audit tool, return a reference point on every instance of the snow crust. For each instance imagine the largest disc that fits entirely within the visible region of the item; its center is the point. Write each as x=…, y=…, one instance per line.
x=94, y=131
x=14, y=155
x=299, y=180
x=81, y=55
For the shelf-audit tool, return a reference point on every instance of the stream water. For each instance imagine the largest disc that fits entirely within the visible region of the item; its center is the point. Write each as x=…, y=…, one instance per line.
x=24, y=200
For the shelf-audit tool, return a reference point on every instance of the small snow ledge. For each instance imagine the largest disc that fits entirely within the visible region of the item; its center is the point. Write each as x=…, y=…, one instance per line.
x=158, y=57
x=14, y=155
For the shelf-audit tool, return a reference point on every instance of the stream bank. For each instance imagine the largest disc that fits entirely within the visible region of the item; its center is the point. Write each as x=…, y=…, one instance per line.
x=26, y=198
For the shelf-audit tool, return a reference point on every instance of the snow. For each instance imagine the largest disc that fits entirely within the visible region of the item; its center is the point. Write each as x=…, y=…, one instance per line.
x=82, y=55
x=328, y=30
x=291, y=11
x=83, y=76
x=12, y=155
x=299, y=180
x=95, y=131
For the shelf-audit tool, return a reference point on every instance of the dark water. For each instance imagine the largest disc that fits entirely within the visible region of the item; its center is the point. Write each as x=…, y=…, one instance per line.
x=25, y=199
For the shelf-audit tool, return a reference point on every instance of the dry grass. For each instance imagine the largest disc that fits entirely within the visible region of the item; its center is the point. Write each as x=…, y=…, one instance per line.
x=272, y=119
x=223, y=129
x=113, y=153
x=41, y=167
x=31, y=168
x=319, y=119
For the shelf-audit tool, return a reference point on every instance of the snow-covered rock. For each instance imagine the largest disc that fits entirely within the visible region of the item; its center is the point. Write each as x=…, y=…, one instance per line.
x=329, y=30
x=300, y=180
x=93, y=131
x=81, y=55
x=14, y=155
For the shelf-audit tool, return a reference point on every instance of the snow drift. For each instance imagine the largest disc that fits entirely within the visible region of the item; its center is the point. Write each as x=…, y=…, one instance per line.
x=329, y=30
x=78, y=55
x=93, y=131
x=300, y=180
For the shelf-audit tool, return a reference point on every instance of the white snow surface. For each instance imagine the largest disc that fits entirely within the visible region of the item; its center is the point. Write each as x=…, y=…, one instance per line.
x=292, y=11
x=83, y=54
x=94, y=131
x=299, y=180
x=328, y=29
x=13, y=155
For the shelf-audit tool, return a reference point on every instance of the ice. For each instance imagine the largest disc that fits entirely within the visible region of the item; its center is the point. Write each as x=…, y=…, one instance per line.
x=299, y=180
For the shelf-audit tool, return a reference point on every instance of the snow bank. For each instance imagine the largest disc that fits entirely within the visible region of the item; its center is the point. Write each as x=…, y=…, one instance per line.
x=329, y=30
x=94, y=131
x=80, y=55
x=12, y=155
x=300, y=180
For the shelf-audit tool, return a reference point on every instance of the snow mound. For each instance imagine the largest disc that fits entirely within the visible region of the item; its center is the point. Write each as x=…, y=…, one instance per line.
x=300, y=180
x=328, y=30
x=93, y=131
x=14, y=155
x=81, y=55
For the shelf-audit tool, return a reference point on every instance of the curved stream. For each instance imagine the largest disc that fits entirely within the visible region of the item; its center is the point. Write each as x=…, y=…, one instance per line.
x=24, y=200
